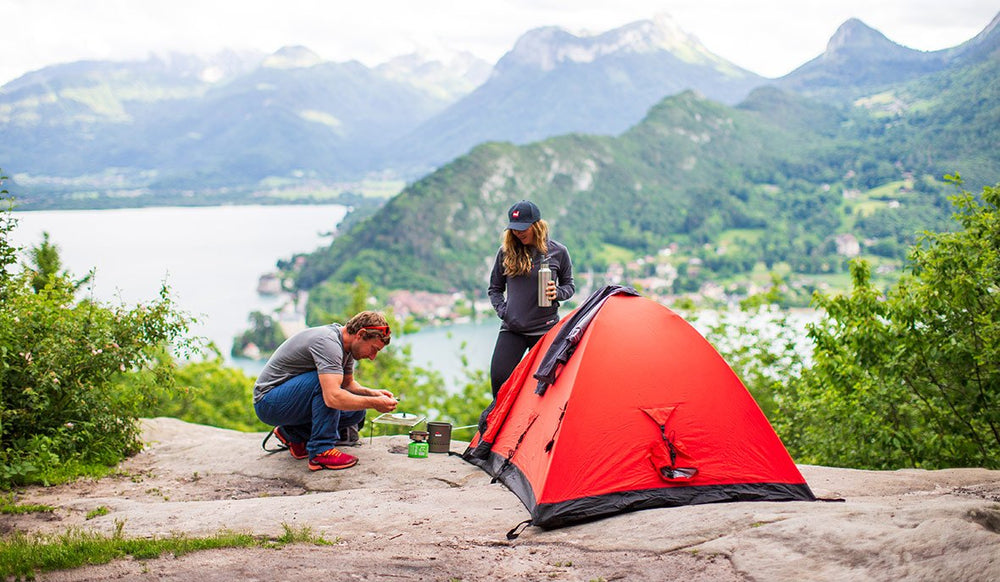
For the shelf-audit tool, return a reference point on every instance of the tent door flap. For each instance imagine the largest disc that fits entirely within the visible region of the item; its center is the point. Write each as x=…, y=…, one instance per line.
x=663, y=455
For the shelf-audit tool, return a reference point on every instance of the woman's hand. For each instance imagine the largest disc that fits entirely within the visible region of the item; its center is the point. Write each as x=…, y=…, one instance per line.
x=550, y=291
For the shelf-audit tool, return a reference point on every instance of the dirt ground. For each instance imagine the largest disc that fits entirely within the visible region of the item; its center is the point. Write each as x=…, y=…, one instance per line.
x=396, y=518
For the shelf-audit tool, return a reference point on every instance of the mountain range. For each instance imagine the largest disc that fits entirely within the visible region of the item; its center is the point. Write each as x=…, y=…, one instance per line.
x=236, y=126
x=843, y=156
x=181, y=124
x=637, y=142
x=859, y=60
x=553, y=83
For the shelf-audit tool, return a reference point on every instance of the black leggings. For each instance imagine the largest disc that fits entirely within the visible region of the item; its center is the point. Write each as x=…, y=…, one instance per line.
x=507, y=353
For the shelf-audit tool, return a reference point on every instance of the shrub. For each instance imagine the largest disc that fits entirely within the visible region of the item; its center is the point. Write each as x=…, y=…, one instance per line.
x=909, y=378
x=210, y=393
x=62, y=412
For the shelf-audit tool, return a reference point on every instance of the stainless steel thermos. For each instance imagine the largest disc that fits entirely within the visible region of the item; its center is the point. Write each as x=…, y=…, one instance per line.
x=544, y=276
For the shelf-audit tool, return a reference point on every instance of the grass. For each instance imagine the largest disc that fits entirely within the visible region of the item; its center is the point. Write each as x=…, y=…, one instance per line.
x=615, y=254
x=7, y=506
x=867, y=208
x=71, y=470
x=890, y=191
x=23, y=555
x=381, y=188
x=290, y=190
x=102, y=510
x=741, y=236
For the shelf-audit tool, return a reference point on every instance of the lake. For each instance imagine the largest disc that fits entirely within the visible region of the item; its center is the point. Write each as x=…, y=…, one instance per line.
x=442, y=348
x=211, y=257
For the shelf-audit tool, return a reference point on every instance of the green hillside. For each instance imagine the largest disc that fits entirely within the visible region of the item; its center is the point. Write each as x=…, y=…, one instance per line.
x=780, y=182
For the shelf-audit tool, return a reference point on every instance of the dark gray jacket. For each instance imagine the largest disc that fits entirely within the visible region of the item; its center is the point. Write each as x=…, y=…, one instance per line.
x=515, y=299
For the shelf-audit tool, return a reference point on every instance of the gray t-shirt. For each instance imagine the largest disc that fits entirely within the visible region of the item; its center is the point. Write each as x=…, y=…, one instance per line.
x=317, y=349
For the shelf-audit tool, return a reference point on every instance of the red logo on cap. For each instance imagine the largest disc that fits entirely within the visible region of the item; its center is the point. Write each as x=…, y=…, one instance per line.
x=515, y=214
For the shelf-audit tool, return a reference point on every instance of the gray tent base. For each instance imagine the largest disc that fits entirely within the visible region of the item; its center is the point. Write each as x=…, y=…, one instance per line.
x=583, y=509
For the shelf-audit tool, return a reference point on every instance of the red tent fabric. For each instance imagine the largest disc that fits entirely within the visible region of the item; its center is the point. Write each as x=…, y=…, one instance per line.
x=644, y=413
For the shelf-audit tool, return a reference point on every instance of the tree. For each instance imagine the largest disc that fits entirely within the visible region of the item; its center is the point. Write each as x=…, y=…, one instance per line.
x=8, y=252
x=264, y=332
x=910, y=378
x=46, y=265
x=209, y=392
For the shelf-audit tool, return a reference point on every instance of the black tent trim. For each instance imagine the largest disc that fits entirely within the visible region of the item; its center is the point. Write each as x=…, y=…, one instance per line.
x=573, y=511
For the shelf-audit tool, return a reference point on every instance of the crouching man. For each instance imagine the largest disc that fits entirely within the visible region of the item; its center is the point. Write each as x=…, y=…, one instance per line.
x=308, y=392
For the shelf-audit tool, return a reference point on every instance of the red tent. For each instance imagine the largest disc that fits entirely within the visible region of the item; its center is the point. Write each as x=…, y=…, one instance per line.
x=624, y=406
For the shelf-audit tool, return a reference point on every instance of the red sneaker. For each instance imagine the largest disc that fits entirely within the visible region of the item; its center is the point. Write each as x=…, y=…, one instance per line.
x=298, y=450
x=332, y=459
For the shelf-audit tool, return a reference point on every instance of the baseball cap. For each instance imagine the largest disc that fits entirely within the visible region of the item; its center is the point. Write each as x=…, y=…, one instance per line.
x=523, y=214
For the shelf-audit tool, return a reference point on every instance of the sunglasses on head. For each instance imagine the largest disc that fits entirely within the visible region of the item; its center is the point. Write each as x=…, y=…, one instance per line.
x=383, y=329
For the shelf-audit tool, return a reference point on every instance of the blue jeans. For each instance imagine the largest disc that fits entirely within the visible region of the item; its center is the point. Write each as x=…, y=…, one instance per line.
x=297, y=406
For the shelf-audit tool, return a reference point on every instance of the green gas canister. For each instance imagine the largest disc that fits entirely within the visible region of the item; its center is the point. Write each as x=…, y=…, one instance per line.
x=418, y=450
x=418, y=444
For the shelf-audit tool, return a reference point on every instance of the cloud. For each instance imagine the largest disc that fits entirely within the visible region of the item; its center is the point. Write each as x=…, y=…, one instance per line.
x=770, y=37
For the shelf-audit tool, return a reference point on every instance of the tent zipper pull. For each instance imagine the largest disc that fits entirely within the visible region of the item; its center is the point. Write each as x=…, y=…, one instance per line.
x=552, y=441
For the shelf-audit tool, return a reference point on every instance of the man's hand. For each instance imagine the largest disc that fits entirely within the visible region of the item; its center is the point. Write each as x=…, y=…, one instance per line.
x=384, y=403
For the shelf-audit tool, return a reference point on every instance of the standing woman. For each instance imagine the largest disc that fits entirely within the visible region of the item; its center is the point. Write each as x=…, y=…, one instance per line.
x=514, y=288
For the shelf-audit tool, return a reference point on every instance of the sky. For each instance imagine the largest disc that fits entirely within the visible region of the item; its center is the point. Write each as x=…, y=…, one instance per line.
x=768, y=37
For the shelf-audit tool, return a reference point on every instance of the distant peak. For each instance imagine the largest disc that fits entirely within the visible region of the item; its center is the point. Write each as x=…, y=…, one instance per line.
x=546, y=47
x=853, y=35
x=292, y=57
x=435, y=55
x=986, y=42
x=661, y=32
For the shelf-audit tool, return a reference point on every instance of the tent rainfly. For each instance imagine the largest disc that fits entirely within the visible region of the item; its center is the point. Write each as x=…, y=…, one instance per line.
x=625, y=406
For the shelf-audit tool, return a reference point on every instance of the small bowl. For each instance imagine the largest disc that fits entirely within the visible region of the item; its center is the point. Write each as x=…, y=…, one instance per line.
x=418, y=436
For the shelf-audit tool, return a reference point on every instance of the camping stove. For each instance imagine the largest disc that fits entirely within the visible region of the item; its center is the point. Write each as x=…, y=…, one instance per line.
x=418, y=444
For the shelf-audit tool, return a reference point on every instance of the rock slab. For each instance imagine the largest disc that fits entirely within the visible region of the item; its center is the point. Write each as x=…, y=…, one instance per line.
x=392, y=517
